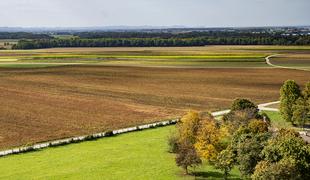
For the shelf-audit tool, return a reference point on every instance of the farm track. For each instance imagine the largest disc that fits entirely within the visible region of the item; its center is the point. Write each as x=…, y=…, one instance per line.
x=283, y=67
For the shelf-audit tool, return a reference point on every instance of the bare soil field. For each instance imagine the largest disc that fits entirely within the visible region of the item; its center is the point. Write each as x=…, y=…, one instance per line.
x=56, y=102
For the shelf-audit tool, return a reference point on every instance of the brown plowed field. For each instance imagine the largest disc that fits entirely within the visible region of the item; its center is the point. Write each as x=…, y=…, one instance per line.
x=44, y=104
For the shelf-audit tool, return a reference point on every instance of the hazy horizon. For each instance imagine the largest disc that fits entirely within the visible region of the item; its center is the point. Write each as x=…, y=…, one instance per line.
x=133, y=13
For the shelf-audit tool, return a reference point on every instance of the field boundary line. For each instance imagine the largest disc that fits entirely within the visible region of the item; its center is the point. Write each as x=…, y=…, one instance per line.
x=95, y=136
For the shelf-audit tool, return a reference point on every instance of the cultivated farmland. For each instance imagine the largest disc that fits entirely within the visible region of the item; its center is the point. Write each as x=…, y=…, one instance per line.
x=50, y=103
x=54, y=93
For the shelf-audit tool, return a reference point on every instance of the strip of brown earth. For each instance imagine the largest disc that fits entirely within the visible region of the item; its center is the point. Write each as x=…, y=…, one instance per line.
x=52, y=103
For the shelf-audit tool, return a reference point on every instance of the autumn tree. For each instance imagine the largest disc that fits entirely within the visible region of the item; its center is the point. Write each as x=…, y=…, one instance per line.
x=187, y=156
x=189, y=126
x=289, y=93
x=198, y=136
x=242, y=112
x=183, y=141
x=209, y=138
x=187, y=130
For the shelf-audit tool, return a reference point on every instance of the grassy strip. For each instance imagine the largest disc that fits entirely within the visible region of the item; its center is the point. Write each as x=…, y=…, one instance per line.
x=138, y=155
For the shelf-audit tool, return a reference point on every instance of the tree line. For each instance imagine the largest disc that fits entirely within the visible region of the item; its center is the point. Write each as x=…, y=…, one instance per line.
x=23, y=35
x=158, y=42
x=161, y=39
x=245, y=139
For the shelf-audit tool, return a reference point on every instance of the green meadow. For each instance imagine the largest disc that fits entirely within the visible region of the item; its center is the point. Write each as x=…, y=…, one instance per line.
x=137, y=155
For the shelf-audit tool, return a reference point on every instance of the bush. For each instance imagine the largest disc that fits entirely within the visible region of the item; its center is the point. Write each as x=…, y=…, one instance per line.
x=109, y=133
x=173, y=143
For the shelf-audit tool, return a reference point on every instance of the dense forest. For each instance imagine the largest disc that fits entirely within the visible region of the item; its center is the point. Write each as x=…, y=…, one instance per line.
x=23, y=35
x=161, y=39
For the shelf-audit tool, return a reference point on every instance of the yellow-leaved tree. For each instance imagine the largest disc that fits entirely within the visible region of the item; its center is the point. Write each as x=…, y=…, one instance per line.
x=189, y=126
x=208, y=143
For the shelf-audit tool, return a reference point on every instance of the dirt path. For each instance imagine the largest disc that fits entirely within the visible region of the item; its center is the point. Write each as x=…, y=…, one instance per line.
x=262, y=107
x=283, y=67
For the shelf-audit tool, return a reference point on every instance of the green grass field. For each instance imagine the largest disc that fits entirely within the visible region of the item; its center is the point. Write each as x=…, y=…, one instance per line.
x=277, y=121
x=137, y=155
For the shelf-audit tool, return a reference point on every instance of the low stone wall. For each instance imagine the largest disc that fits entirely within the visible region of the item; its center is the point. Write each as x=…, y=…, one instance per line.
x=85, y=138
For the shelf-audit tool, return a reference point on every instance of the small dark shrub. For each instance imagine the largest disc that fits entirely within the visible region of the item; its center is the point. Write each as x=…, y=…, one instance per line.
x=173, y=143
x=109, y=133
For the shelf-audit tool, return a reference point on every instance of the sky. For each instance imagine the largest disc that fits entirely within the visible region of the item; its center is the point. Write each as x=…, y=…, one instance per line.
x=191, y=13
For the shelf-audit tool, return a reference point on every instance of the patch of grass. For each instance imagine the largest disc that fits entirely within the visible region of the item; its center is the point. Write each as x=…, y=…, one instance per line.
x=138, y=155
x=277, y=121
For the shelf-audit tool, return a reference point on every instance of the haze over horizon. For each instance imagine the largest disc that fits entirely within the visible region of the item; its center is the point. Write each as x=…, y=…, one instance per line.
x=198, y=13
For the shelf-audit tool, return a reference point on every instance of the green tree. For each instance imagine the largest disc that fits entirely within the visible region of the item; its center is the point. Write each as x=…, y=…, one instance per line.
x=282, y=170
x=289, y=94
x=306, y=91
x=301, y=112
x=242, y=104
x=225, y=161
x=247, y=145
x=287, y=146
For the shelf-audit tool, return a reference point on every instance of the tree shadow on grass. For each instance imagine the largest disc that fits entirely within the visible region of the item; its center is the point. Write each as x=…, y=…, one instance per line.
x=212, y=175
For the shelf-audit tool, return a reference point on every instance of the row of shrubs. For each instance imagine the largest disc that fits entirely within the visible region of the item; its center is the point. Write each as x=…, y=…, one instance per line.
x=85, y=138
